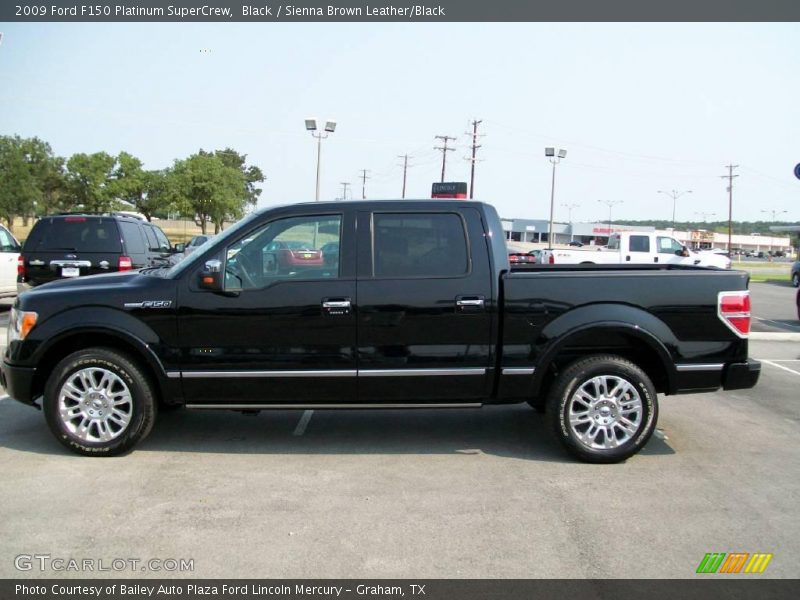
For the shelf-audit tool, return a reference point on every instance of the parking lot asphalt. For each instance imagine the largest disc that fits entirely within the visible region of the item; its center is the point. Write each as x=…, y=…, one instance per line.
x=426, y=493
x=774, y=307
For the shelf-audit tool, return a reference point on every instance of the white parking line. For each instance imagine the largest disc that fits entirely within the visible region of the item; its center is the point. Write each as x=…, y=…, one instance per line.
x=303, y=423
x=774, y=364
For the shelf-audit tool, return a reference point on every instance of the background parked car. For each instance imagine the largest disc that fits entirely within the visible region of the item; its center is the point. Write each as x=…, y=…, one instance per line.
x=73, y=245
x=796, y=274
x=195, y=243
x=9, y=258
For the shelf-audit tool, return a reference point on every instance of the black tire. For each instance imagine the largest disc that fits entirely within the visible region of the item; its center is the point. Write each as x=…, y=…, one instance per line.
x=128, y=381
x=639, y=400
x=796, y=279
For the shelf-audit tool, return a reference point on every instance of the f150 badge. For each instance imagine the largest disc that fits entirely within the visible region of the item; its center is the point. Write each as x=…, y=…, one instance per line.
x=149, y=304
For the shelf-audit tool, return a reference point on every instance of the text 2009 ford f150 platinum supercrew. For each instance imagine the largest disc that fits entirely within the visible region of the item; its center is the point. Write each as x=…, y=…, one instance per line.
x=376, y=304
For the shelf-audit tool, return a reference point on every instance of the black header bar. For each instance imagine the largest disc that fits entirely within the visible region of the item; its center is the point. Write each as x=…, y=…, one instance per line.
x=227, y=11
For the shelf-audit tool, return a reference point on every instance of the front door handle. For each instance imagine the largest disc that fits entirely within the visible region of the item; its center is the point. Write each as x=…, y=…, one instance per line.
x=336, y=306
x=467, y=304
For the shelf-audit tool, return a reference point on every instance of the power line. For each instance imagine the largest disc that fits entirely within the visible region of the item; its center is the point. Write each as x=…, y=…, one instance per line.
x=472, y=160
x=730, y=176
x=364, y=178
x=444, y=149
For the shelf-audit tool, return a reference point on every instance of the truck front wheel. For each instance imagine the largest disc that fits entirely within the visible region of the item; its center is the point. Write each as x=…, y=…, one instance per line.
x=98, y=402
x=603, y=408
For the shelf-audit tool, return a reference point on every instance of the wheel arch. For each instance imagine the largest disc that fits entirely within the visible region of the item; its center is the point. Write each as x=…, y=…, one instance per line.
x=92, y=337
x=629, y=341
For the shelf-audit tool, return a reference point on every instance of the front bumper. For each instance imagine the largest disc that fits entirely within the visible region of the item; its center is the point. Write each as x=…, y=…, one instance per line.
x=18, y=382
x=740, y=376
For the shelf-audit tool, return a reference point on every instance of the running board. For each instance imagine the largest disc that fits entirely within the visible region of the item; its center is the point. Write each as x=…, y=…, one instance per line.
x=328, y=406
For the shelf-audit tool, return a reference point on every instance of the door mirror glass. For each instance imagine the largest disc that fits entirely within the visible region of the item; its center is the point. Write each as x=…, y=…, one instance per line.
x=179, y=248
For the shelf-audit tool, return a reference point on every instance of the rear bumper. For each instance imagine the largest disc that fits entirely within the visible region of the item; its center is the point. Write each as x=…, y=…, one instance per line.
x=18, y=382
x=740, y=376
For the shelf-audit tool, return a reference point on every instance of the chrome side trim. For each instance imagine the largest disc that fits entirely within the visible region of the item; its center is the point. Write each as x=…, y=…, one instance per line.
x=701, y=367
x=518, y=371
x=173, y=374
x=419, y=372
x=328, y=406
x=253, y=374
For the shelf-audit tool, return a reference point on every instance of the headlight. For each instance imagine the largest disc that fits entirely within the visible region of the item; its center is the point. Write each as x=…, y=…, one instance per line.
x=20, y=323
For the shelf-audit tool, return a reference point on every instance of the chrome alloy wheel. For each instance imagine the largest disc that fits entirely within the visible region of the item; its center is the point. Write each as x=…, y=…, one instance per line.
x=95, y=405
x=605, y=412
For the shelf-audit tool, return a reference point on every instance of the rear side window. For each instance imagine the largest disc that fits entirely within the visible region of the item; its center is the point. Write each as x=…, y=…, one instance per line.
x=133, y=238
x=163, y=242
x=74, y=234
x=419, y=245
x=640, y=243
x=152, y=242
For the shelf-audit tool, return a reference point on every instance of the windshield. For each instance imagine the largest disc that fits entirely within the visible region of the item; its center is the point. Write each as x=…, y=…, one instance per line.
x=223, y=237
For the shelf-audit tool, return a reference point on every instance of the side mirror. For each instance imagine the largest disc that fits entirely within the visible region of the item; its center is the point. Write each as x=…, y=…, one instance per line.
x=179, y=248
x=682, y=252
x=210, y=278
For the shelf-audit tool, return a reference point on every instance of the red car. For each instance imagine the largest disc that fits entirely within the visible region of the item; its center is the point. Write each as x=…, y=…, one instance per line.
x=289, y=255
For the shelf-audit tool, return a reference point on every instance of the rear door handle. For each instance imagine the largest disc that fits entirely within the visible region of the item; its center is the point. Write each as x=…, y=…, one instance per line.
x=466, y=304
x=336, y=306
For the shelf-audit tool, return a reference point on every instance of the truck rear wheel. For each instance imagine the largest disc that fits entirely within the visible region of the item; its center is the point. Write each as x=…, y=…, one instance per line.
x=603, y=408
x=98, y=402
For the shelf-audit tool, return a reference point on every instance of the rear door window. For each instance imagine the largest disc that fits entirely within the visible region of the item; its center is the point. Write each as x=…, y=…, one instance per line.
x=74, y=234
x=419, y=245
x=640, y=243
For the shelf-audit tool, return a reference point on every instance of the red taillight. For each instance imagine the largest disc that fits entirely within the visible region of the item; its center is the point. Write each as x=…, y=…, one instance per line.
x=21, y=266
x=513, y=258
x=125, y=263
x=734, y=310
x=552, y=259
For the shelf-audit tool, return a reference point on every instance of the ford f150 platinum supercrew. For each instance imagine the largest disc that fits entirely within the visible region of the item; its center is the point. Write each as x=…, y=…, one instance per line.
x=383, y=304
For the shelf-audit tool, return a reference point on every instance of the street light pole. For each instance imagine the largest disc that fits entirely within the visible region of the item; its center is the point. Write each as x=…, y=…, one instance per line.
x=610, y=204
x=569, y=208
x=555, y=159
x=674, y=194
x=330, y=127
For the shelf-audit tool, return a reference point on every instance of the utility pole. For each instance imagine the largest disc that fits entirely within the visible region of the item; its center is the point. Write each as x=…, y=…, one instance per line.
x=473, y=160
x=405, y=171
x=444, y=149
x=364, y=178
x=730, y=177
x=345, y=185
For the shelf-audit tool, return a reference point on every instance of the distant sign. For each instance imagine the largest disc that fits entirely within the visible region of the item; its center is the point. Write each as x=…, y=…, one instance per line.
x=452, y=189
x=797, y=171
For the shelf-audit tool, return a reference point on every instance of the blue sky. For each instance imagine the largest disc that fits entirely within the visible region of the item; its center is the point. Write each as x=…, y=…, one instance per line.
x=639, y=107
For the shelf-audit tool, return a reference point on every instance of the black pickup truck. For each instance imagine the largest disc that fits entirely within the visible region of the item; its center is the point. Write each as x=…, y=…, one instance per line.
x=376, y=305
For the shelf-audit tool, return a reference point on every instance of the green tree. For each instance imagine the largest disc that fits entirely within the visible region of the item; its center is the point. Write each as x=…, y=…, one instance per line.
x=147, y=191
x=207, y=188
x=30, y=177
x=90, y=181
x=252, y=173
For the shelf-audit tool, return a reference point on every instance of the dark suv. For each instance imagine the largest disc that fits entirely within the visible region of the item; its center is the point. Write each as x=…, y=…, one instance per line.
x=71, y=245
